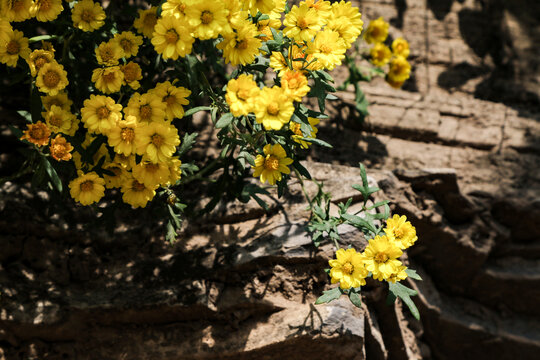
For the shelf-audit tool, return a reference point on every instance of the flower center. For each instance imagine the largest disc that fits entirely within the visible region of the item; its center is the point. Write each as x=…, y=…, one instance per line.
x=145, y=112
x=170, y=100
x=348, y=268
x=381, y=257
x=150, y=20
x=103, y=112
x=325, y=48
x=44, y=5
x=87, y=185
x=37, y=133
x=59, y=150
x=272, y=109
x=40, y=61
x=13, y=47
x=171, y=36
x=109, y=77
x=127, y=134
x=51, y=79
x=157, y=140
x=107, y=54
x=207, y=17
x=271, y=162
x=17, y=5
x=152, y=168
x=398, y=233
x=137, y=186
x=242, y=94
x=126, y=44
x=55, y=120
x=302, y=23
x=87, y=16
x=242, y=44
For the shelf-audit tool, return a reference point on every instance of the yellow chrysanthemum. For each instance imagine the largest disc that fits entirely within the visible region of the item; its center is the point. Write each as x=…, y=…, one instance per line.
x=400, y=70
x=127, y=161
x=87, y=188
x=157, y=140
x=176, y=8
x=37, y=134
x=207, y=18
x=132, y=74
x=146, y=21
x=322, y=7
x=52, y=78
x=46, y=10
x=58, y=119
x=295, y=84
x=108, y=53
x=297, y=132
x=346, y=20
x=377, y=31
x=87, y=15
x=108, y=80
x=60, y=148
x=380, y=54
x=274, y=163
x=401, y=231
x=273, y=109
x=5, y=27
x=100, y=114
x=400, y=47
x=241, y=46
x=128, y=42
x=16, y=10
x=381, y=257
x=172, y=38
x=302, y=23
x=151, y=174
x=328, y=48
x=16, y=46
x=60, y=99
x=122, y=136
x=37, y=59
x=175, y=171
x=348, y=269
x=241, y=93
x=399, y=275
x=146, y=107
x=173, y=97
x=136, y=194
x=117, y=178
x=253, y=6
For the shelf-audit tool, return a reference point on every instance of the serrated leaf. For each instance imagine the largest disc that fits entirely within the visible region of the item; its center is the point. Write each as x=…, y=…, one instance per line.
x=329, y=295
x=355, y=298
x=187, y=143
x=412, y=274
x=404, y=293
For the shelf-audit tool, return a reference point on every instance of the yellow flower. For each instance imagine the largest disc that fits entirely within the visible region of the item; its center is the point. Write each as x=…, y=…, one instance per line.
x=175, y=171
x=122, y=136
x=108, y=53
x=127, y=161
x=157, y=140
x=5, y=27
x=16, y=46
x=346, y=20
x=279, y=63
x=328, y=48
x=400, y=231
x=171, y=38
x=151, y=174
x=37, y=59
x=302, y=23
x=295, y=84
x=400, y=47
x=207, y=18
x=381, y=257
x=322, y=7
x=100, y=114
x=136, y=194
x=87, y=188
x=132, y=74
x=380, y=54
x=108, y=80
x=399, y=275
x=146, y=21
x=264, y=6
x=87, y=15
x=270, y=166
x=117, y=178
x=175, y=8
x=173, y=97
x=273, y=108
x=46, y=10
x=241, y=46
x=52, y=78
x=128, y=42
x=377, y=31
x=60, y=99
x=58, y=119
x=146, y=107
x=297, y=132
x=241, y=93
x=16, y=10
x=400, y=70
x=60, y=148
x=37, y=134
x=348, y=269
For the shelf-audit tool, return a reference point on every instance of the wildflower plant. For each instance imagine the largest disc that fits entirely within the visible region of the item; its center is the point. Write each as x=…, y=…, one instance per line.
x=115, y=88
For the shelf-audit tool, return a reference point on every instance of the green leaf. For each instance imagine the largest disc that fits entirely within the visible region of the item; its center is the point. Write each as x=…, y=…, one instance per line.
x=196, y=110
x=355, y=298
x=224, y=120
x=187, y=143
x=316, y=141
x=359, y=222
x=53, y=175
x=404, y=293
x=26, y=115
x=412, y=274
x=42, y=38
x=377, y=204
x=16, y=131
x=329, y=295
x=302, y=170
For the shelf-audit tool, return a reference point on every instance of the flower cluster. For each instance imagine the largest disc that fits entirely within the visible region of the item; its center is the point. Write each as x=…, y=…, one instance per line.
x=379, y=258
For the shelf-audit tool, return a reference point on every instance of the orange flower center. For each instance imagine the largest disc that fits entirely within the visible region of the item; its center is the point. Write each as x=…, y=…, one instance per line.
x=381, y=257
x=87, y=16
x=55, y=120
x=87, y=186
x=126, y=44
x=171, y=36
x=137, y=186
x=243, y=94
x=37, y=132
x=131, y=72
x=157, y=140
x=271, y=163
x=13, y=47
x=325, y=48
x=17, y=5
x=40, y=61
x=272, y=109
x=170, y=100
x=207, y=17
x=106, y=53
x=242, y=44
x=302, y=23
x=127, y=134
x=51, y=79
x=103, y=112
x=398, y=233
x=109, y=77
x=145, y=112
x=150, y=20
x=152, y=168
x=45, y=5
x=348, y=268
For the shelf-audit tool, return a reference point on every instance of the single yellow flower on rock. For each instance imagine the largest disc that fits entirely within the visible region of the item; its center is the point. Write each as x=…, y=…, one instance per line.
x=273, y=108
x=208, y=19
x=37, y=134
x=52, y=78
x=274, y=163
x=146, y=107
x=46, y=10
x=400, y=231
x=128, y=42
x=87, y=188
x=173, y=97
x=87, y=15
x=172, y=38
x=381, y=257
x=377, y=31
x=146, y=21
x=122, y=136
x=100, y=114
x=108, y=80
x=400, y=47
x=157, y=140
x=302, y=23
x=135, y=193
x=348, y=269
x=60, y=148
x=37, y=59
x=241, y=93
x=380, y=54
x=15, y=47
